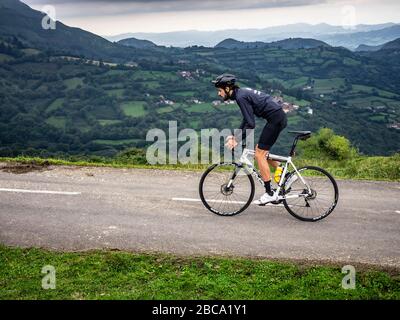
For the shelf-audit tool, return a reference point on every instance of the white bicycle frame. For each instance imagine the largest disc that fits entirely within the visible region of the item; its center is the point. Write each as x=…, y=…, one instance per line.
x=244, y=160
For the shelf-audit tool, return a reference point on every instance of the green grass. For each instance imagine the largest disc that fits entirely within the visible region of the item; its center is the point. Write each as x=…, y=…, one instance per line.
x=105, y=122
x=122, y=275
x=56, y=104
x=327, y=85
x=134, y=108
x=299, y=82
x=367, y=101
x=157, y=76
x=351, y=62
x=357, y=88
x=185, y=93
x=203, y=107
x=116, y=72
x=378, y=118
x=165, y=109
x=73, y=82
x=58, y=122
x=114, y=142
x=30, y=51
x=360, y=168
x=293, y=100
x=119, y=93
x=5, y=57
x=151, y=84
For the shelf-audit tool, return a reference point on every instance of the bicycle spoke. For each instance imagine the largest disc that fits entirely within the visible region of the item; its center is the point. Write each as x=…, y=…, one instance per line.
x=222, y=200
x=316, y=204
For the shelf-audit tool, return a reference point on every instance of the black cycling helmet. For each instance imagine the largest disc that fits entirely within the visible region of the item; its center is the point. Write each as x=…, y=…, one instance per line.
x=224, y=80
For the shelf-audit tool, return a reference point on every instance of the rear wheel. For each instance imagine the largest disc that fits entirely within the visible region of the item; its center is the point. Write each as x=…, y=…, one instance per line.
x=314, y=200
x=223, y=198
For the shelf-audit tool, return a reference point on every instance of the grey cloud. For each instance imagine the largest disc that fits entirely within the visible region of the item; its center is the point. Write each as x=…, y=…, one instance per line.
x=99, y=7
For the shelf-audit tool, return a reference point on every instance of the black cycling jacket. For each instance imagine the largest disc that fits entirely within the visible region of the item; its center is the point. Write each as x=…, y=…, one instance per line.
x=253, y=102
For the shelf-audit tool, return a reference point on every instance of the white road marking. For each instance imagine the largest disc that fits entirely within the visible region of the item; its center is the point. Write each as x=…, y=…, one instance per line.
x=39, y=191
x=397, y=211
x=199, y=200
x=233, y=202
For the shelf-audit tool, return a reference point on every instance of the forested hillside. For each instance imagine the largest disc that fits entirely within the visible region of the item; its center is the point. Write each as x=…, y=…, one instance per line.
x=54, y=100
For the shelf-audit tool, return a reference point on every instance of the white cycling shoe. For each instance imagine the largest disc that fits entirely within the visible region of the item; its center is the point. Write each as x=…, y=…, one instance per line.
x=266, y=198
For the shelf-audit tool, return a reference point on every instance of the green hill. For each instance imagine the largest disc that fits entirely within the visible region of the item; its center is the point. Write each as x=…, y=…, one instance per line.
x=20, y=21
x=137, y=43
x=291, y=43
x=61, y=94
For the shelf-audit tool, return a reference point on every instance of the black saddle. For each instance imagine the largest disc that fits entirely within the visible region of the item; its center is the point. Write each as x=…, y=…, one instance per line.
x=302, y=135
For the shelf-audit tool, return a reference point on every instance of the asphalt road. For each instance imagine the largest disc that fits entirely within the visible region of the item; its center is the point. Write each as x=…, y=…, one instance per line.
x=133, y=209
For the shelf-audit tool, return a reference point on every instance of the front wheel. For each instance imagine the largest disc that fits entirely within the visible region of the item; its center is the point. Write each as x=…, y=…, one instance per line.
x=310, y=196
x=226, y=189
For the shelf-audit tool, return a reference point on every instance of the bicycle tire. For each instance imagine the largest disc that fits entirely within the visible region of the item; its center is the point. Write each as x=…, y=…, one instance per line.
x=330, y=208
x=207, y=203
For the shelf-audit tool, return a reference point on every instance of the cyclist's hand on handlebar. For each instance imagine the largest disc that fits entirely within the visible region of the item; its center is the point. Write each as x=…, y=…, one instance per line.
x=231, y=142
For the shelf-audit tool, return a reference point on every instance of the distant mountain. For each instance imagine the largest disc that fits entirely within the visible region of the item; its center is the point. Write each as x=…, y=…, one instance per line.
x=20, y=21
x=137, y=43
x=364, y=47
x=392, y=45
x=371, y=38
x=291, y=43
x=235, y=44
x=388, y=54
x=298, y=43
x=322, y=31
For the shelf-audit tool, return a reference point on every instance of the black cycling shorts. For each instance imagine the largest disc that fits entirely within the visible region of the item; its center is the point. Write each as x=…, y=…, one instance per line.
x=276, y=123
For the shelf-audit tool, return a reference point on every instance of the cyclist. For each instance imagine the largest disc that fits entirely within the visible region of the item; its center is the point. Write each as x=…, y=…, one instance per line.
x=253, y=102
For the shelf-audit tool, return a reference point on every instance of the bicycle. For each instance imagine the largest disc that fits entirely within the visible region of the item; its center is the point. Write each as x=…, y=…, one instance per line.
x=309, y=193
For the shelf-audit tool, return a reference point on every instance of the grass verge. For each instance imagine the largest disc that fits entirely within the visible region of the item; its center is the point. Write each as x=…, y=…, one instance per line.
x=360, y=168
x=122, y=275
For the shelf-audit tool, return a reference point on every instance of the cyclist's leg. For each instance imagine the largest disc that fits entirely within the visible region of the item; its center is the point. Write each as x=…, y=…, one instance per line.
x=267, y=139
x=261, y=158
x=273, y=163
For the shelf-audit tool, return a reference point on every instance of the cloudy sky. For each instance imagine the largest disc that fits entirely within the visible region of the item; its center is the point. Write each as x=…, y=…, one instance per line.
x=122, y=16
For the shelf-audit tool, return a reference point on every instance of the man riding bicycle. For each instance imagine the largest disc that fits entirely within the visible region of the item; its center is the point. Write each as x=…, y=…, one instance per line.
x=253, y=102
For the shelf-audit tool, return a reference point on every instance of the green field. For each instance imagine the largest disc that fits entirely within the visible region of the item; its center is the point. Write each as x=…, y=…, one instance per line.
x=367, y=101
x=115, y=142
x=324, y=86
x=142, y=75
x=5, y=57
x=351, y=62
x=357, y=88
x=105, y=122
x=73, y=82
x=203, y=107
x=185, y=93
x=56, y=104
x=116, y=72
x=298, y=82
x=58, y=122
x=119, y=93
x=378, y=118
x=121, y=275
x=30, y=51
x=134, y=108
x=165, y=109
x=295, y=101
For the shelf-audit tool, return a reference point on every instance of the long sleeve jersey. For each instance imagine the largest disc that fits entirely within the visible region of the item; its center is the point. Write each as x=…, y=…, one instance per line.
x=253, y=102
